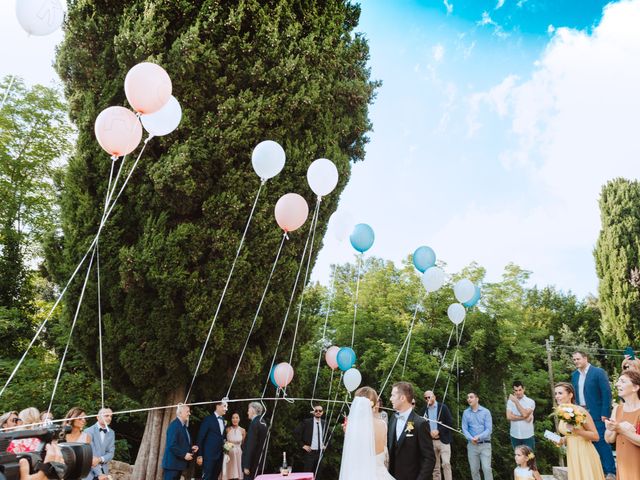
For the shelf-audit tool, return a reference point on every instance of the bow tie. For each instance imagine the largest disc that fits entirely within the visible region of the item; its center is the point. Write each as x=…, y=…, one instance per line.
x=103, y=430
x=220, y=418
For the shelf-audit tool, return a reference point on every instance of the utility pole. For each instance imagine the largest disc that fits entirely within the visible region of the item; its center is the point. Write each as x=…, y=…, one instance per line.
x=548, y=342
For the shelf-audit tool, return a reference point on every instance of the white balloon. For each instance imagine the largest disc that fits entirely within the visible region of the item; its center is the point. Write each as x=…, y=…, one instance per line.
x=433, y=279
x=464, y=290
x=352, y=379
x=268, y=159
x=341, y=224
x=322, y=176
x=165, y=120
x=39, y=17
x=456, y=313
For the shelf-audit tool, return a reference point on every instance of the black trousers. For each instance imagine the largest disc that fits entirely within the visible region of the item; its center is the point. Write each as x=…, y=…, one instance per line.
x=311, y=460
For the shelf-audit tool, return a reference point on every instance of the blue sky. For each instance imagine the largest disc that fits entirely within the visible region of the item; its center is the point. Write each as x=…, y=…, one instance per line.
x=495, y=127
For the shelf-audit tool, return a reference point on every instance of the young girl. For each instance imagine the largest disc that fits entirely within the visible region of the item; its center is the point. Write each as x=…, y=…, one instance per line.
x=526, y=461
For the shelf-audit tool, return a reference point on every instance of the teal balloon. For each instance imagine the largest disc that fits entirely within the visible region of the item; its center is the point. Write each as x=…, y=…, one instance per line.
x=346, y=358
x=474, y=299
x=362, y=237
x=271, y=377
x=424, y=258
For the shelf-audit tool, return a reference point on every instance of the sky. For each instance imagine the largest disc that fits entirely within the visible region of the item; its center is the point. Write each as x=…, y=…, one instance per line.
x=495, y=127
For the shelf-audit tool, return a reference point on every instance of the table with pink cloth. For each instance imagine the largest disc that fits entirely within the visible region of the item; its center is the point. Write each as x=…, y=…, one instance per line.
x=291, y=476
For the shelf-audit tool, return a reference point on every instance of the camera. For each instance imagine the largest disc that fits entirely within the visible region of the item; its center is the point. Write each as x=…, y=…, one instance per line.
x=77, y=456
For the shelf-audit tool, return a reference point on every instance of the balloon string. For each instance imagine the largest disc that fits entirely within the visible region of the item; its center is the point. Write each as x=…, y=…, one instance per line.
x=409, y=334
x=444, y=356
x=7, y=91
x=73, y=324
x=224, y=290
x=255, y=317
x=286, y=316
x=89, y=250
x=355, y=301
x=324, y=333
x=406, y=340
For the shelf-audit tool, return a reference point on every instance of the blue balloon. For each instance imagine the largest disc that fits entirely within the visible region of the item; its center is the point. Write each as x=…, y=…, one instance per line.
x=271, y=377
x=424, y=258
x=346, y=358
x=362, y=237
x=474, y=299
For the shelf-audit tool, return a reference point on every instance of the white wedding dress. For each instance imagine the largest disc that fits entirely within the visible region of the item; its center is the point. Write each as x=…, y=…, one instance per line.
x=359, y=461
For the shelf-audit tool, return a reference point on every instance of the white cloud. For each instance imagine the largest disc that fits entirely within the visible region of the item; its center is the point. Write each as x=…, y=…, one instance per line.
x=485, y=20
x=449, y=6
x=438, y=52
x=574, y=126
x=500, y=4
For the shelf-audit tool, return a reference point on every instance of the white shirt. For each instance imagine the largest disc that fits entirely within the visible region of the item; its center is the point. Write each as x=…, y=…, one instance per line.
x=317, y=429
x=401, y=421
x=221, y=423
x=521, y=429
x=581, y=380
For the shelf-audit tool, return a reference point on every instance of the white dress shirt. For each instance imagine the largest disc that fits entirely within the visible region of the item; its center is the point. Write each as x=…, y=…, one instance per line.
x=581, y=380
x=401, y=422
x=317, y=433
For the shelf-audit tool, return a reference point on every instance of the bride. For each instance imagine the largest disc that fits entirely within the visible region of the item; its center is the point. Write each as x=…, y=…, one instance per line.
x=365, y=455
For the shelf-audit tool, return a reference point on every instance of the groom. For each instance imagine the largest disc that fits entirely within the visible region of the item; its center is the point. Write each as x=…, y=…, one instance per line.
x=411, y=455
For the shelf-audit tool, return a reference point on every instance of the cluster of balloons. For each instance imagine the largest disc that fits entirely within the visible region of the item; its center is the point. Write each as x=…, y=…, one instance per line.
x=344, y=358
x=148, y=90
x=468, y=295
x=291, y=211
x=39, y=17
x=281, y=375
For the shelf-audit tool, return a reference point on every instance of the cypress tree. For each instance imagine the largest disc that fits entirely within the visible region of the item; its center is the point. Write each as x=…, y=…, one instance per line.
x=288, y=70
x=616, y=254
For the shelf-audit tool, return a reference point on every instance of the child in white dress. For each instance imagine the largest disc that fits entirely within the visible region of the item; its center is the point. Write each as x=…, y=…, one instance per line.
x=526, y=464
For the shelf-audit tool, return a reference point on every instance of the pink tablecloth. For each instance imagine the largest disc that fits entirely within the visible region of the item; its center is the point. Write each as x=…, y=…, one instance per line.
x=291, y=476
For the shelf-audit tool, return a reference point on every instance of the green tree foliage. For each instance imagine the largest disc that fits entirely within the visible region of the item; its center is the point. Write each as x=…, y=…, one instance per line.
x=34, y=140
x=617, y=255
x=243, y=71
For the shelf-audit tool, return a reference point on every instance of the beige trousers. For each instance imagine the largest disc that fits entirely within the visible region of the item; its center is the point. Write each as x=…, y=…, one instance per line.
x=443, y=456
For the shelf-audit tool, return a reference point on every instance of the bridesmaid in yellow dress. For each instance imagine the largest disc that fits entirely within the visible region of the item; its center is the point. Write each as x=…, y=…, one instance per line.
x=236, y=435
x=583, y=462
x=623, y=427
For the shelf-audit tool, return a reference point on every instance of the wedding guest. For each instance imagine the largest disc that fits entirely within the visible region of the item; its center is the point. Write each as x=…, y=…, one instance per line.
x=310, y=434
x=526, y=464
x=380, y=413
x=46, y=417
x=30, y=418
x=76, y=419
x=235, y=435
x=103, y=444
x=583, y=462
x=210, y=442
x=624, y=426
x=520, y=410
x=593, y=392
x=10, y=420
x=439, y=418
x=477, y=426
x=256, y=436
x=178, y=451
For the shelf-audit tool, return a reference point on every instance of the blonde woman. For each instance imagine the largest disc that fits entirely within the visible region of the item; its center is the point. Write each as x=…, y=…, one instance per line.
x=30, y=418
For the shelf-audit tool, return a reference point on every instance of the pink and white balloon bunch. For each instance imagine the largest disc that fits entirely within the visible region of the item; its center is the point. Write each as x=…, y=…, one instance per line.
x=148, y=90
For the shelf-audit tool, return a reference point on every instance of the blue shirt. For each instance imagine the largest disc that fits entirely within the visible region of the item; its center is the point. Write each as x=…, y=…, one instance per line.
x=477, y=423
x=432, y=412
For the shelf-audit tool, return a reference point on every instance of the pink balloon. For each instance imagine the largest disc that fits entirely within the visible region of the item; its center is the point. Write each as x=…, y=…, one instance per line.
x=283, y=374
x=118, y=131
x=332, y=357
x=291, y=212
x=147, y=87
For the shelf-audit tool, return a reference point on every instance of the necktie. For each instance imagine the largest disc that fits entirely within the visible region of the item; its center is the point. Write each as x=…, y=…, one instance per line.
x=319, y=436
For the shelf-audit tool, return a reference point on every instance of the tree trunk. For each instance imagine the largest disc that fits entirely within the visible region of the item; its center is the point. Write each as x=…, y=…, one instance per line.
x=149, y=460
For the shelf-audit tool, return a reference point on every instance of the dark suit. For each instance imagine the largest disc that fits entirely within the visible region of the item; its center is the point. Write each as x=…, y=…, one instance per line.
x=411, y=457
x=178, y=445
x=256, y=436
x=210, y=442
x=304, y=436
x=597, y=397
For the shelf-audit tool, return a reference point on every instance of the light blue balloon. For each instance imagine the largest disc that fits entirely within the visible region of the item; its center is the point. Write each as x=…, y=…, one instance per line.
x=272, y=378
x=362, y=237
x=424, y=258
x=346, y=358
x=474, y=299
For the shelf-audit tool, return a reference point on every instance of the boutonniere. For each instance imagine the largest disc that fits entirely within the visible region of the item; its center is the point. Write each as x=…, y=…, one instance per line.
x=409, y=429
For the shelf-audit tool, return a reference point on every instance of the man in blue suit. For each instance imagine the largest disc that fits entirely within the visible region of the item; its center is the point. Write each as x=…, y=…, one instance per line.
x=178, y=451
x=211, y=438
x=593, y=392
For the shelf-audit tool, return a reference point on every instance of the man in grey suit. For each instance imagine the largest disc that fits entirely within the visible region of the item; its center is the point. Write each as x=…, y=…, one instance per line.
x=103, y=444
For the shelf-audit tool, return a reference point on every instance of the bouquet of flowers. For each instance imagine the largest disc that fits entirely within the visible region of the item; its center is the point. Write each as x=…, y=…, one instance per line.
x=571, y=414
x=227, y=447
